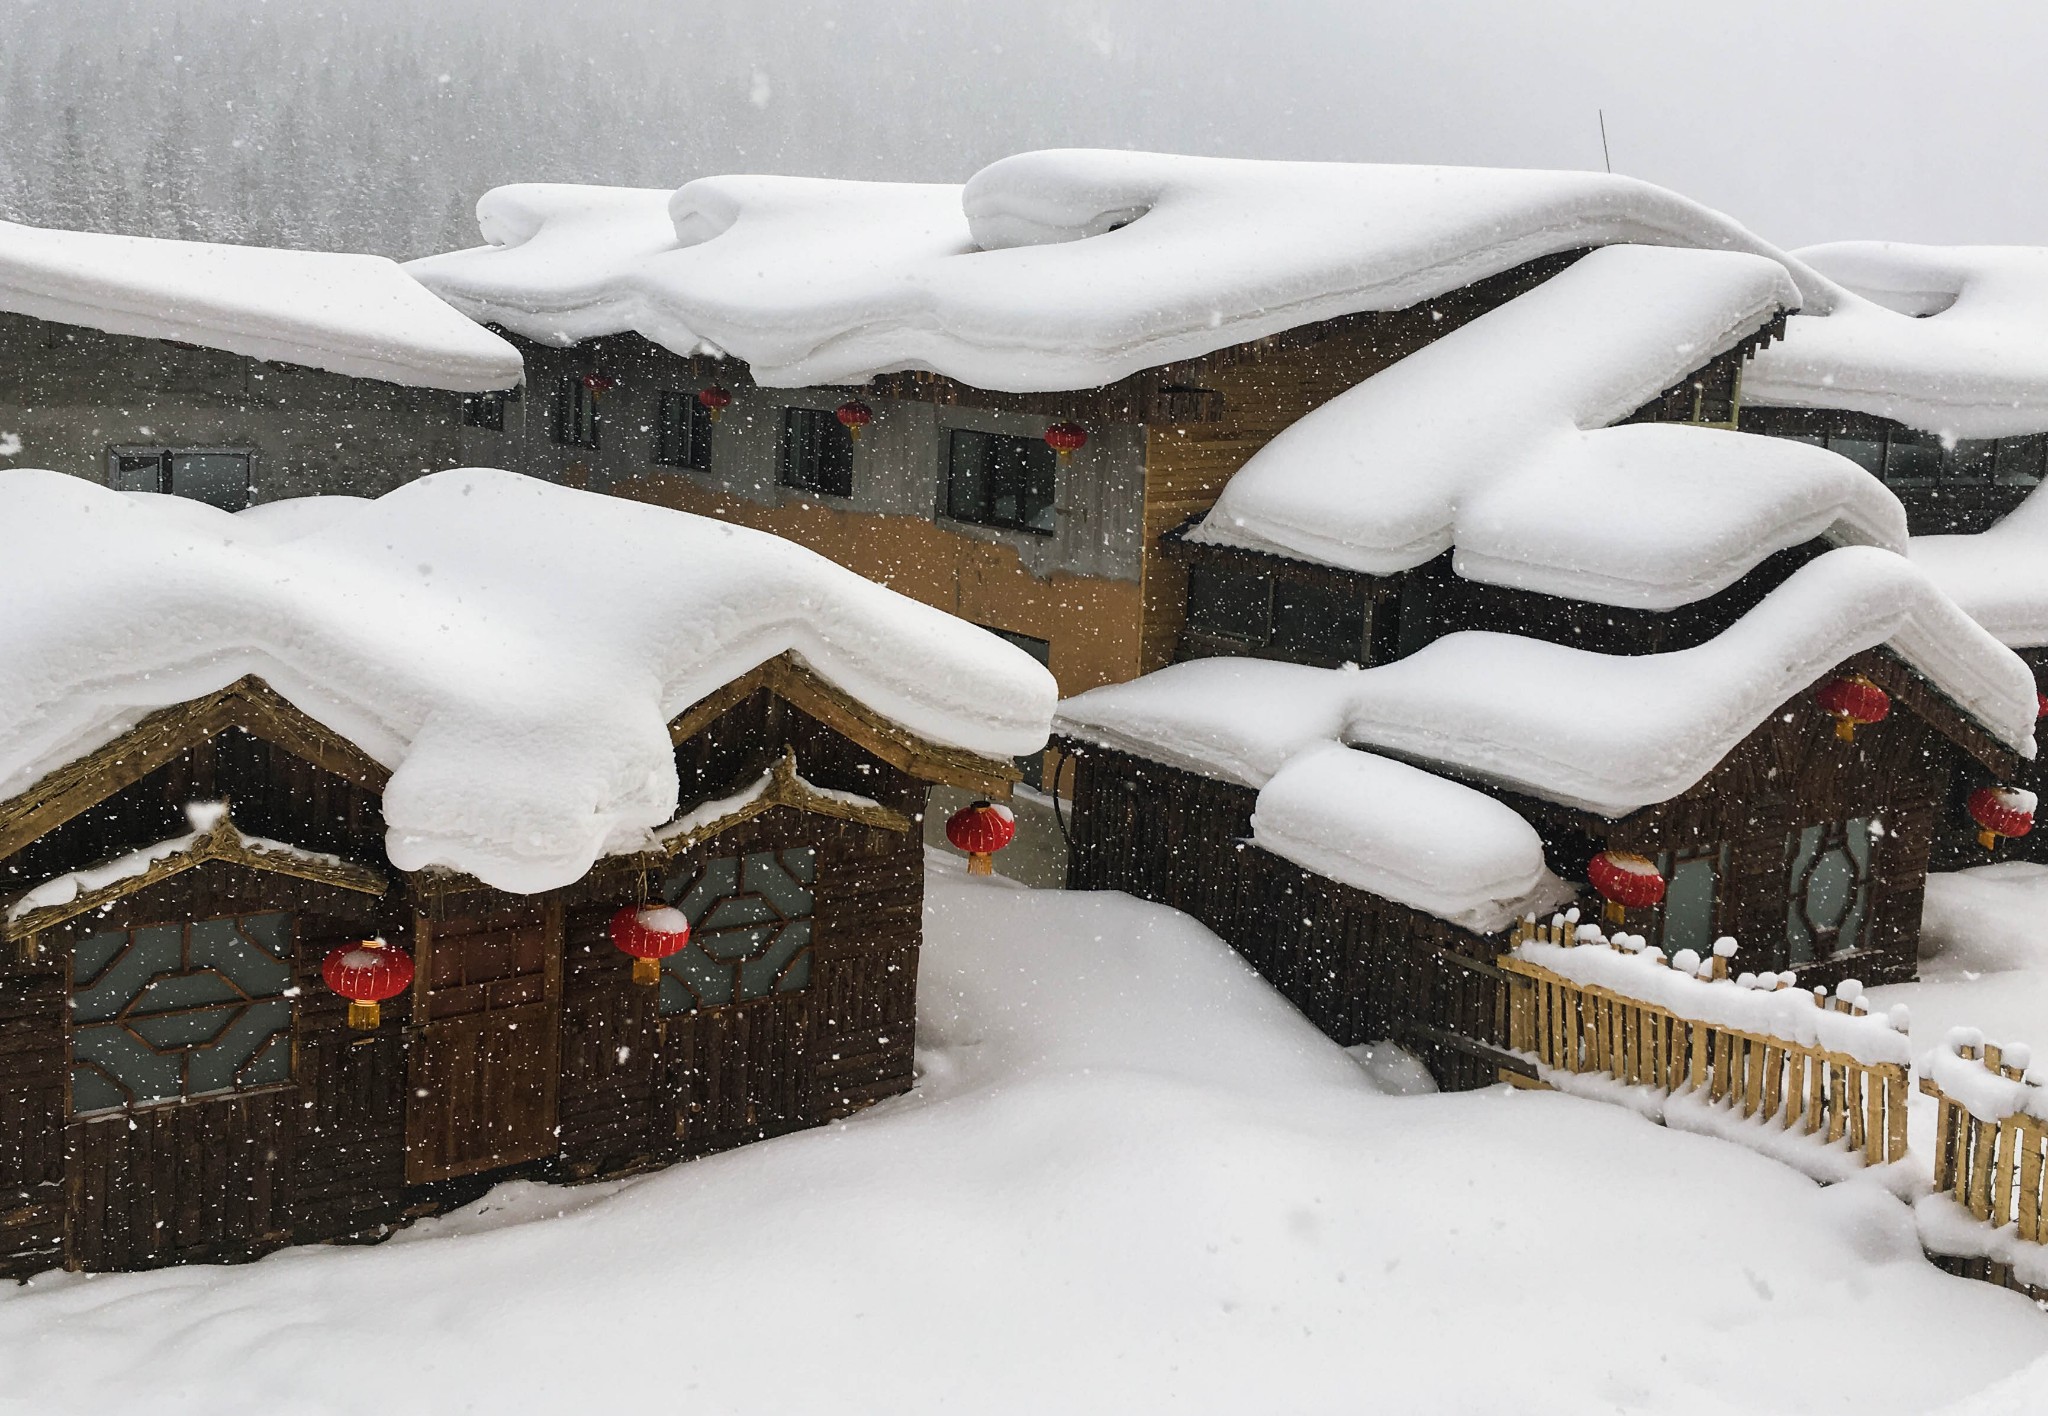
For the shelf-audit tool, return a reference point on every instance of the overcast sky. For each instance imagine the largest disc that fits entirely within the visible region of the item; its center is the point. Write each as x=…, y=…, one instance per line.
x=1809, y=120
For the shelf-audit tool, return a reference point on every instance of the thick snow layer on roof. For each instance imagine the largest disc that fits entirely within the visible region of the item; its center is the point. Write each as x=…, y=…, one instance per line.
x=1369, y=821
x=1493, y=441
x=512, y=650
x=1948, y=339
x=1605, y=732
x=1048, y=270
x=1400, y=833
x=1611, y=733
x=1239, y=720
x=1999, y=576
x=357, y=315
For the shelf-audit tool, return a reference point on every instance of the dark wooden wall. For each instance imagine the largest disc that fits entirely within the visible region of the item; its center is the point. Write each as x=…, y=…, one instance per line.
x=323, y=1157
x=1359, y=967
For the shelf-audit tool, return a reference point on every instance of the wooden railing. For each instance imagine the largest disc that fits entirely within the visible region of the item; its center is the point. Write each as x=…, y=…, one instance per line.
x=1993, y=1168
x=1578, y=1027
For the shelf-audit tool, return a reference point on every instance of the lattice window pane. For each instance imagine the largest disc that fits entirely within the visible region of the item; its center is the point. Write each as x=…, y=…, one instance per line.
x=180, y=1010
x=1828, y=894
x=750, y=922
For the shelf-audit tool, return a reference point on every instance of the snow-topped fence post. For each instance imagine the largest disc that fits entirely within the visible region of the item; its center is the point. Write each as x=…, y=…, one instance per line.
x=1754, y=1047
x=1984, y=1219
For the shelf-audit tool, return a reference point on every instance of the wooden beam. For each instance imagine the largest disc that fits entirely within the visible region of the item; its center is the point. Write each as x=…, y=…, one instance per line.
x=248, y=704
x=222, y=843
x=805, y=691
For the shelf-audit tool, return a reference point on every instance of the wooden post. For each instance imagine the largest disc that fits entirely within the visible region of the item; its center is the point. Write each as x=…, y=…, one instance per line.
x=1895, y=1113
x=2030, y=1180
x=1983, y=1149
x=2007, y=1166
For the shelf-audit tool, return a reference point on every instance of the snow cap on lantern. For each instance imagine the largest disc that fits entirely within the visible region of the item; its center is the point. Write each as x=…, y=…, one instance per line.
x=853, y=415
x=366, y=973
x=715, y=399
x=1855, y=702
x=1066, y=439
x=981, y=829
x=1626, y=881
x=2001, y=811
x=649, y=934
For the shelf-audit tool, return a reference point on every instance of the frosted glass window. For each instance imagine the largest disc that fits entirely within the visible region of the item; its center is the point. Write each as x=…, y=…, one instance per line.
x=1828, y=889
x=750, y=929
x=177, y=1010
x=1691, y=895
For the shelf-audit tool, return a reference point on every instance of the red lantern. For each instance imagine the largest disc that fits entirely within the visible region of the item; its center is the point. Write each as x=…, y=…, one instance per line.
x=981, y=830
x=1066, y=439
x=2001, y=811
x=2041, y=705
x=650, y=933
x=599, y=383
x=1855, y=702
x=366, y=973
x=1627, y=882
x=854, y=415
x=716, y=400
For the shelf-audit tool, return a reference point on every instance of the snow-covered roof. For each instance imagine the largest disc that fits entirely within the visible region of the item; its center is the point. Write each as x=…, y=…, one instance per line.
x=1405, y=834
x=1493, y=442
x=1606, y=733
x=1046, y=271
x=1947, y=339
x=1611, y=733
x=1999, y=576
x=513, y=651
x=349, y=314
x=1383, y=826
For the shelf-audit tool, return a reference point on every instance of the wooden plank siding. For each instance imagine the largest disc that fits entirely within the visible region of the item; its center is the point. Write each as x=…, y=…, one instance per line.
x=1266, y=386
x=323, y=1156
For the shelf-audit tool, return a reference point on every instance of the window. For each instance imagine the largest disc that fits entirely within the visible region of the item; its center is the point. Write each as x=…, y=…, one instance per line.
x=993, y=480
x=218, y=476
x=1912, y=459
x=817, y=453
x=2019, y=460
x=172, y=1010
x=1829, y=888
x=487, y=410
x=750, y=929
x=682, y=432
x=1031, y=767
x=1867, y=453
x=575, y=412
x=1230, y=602
x=1688, y=916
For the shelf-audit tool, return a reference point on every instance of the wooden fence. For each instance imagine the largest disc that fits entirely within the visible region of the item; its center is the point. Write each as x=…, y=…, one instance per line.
x=1580, y=1028
x=1991, y=1168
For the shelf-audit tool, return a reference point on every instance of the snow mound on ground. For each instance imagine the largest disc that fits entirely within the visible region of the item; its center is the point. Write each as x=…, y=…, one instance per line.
x=1948, y=339
x=1988, y=920
x=1131, y=1179
x=357, y=315
x=512, y=650
x=1493, y=441
x=1048, y=270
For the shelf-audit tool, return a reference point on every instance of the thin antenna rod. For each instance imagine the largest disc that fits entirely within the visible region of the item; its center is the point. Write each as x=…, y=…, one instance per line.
x=1605, y=159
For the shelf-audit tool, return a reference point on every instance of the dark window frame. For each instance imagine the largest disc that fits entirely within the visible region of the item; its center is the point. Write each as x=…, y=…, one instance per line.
x=1815, y=941
x=711, y=955
x=1032, y=765
x=817, y=453
x=682, y=431
x=576, y=416
x=487, y=410
x=1034, y=492
x=166, y=456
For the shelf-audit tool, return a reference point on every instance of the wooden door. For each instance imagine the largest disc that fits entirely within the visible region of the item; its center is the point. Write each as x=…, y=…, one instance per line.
x=487, y=1006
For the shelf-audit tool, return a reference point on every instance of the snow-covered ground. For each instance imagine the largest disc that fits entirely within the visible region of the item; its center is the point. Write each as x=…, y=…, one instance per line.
x=1131, y=1179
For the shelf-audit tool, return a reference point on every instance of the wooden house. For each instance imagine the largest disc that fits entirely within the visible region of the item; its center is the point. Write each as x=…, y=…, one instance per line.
x=1724, y=774
x=233, y=374
x=1226, y=300
x=187, y=878
x=1645, y=641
